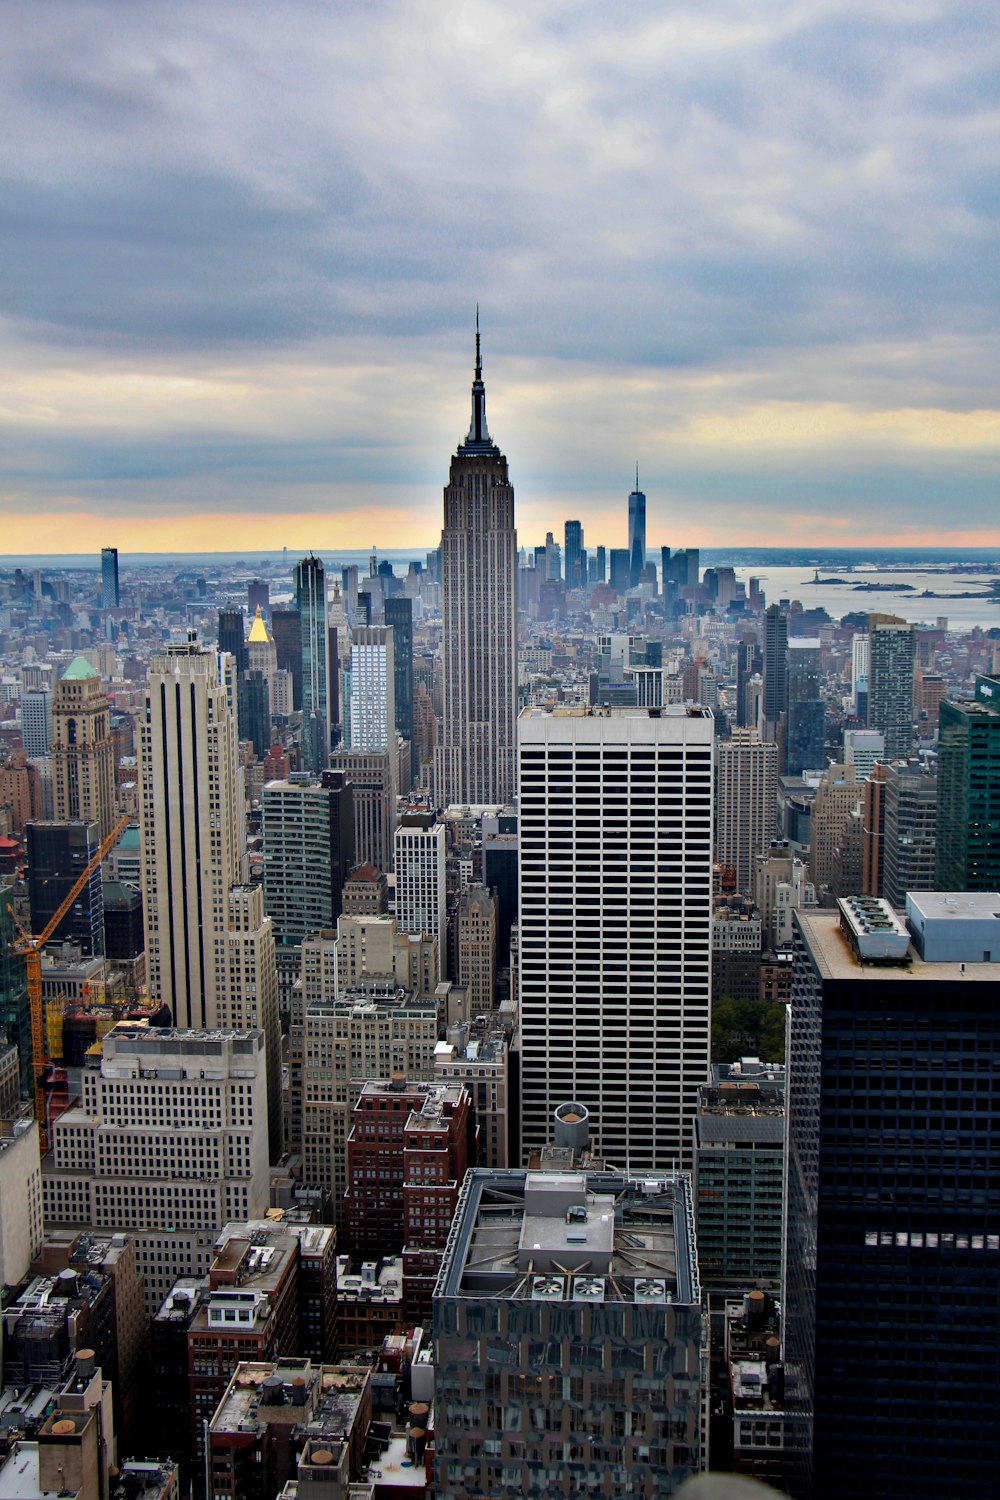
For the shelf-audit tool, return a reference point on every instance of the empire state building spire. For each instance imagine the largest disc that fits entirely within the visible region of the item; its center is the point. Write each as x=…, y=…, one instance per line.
x=474, y=759
x=479, y=440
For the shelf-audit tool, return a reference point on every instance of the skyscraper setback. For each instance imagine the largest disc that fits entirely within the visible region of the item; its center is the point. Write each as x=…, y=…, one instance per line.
x=475, y=760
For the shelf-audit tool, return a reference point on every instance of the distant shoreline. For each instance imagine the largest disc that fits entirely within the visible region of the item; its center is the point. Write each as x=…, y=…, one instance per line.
x=851, y=559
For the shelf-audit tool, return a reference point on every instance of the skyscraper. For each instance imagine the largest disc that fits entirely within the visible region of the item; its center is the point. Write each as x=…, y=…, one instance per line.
x=746, y=790
x=475, y=760
x=287, y=630
x=636, y=532
x=308, y=854
x=57, y=855
x=968, y=848
x=775, y=667
x=749, y=662
x=421, y=888
x=372, y=708
x=574, y=555
x=615, y=924
x=890, y=683
x=805, y=739
x=110, y=592
x=83, y=759
x=36, y=722
x=310, y=601
x=399, y=617
x=892, y=1320
x=860, y=658
x=193, y=828
x=909, y=843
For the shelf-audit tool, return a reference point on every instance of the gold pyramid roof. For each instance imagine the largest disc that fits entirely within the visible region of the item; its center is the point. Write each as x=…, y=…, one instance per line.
x=258, y=630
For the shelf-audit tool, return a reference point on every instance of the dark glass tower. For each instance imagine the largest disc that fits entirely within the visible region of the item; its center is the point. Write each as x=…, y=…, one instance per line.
x=15, y=1013
x=399, y=614
x=310, y=601
x=893, y=1235
x=110, y=592
x=573, y=555
x=57, y=854
x=968, y=837
x=286, y=630
x=636, y=532
x=805, y=738
x=775, y=667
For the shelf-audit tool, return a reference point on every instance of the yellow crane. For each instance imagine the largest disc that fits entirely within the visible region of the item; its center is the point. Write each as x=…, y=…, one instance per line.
x=30, y=946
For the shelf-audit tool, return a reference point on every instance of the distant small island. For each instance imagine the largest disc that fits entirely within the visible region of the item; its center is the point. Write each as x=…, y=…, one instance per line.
x=889, y=588
x=861, y=588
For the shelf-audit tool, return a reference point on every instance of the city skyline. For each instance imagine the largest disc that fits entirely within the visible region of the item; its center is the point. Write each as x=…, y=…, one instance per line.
x=749, y=251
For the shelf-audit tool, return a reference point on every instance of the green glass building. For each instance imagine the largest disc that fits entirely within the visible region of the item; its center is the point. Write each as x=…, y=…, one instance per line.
x=968, y=845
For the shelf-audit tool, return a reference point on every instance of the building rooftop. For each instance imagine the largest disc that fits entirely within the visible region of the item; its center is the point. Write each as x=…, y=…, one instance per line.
x=79, y=670
x=954, y=906
x=836, y=959
x=565, y=1235
x=19, y=1475
x=624, y=711
x=321, y=1400
x=141, y=1479
x=378, y=1281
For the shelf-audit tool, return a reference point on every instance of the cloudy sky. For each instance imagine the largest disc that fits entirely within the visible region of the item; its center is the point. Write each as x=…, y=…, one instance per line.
x=751, y=244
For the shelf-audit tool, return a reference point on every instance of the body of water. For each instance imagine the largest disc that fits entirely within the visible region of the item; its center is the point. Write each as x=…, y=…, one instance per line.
x=843, y=598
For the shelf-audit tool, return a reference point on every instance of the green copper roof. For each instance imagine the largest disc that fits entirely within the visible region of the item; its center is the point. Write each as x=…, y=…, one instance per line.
x=79, y=670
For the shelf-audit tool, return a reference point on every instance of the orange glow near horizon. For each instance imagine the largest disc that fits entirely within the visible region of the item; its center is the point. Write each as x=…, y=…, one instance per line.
x=397, y=529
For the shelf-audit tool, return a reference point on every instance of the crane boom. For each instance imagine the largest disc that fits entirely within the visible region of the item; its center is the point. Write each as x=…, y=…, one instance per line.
x=31, y=947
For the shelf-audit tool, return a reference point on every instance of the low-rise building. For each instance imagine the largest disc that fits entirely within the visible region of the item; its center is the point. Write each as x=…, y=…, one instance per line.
x=278, y=1415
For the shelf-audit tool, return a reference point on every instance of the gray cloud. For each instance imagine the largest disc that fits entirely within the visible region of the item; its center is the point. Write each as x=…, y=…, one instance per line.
x=797, y=197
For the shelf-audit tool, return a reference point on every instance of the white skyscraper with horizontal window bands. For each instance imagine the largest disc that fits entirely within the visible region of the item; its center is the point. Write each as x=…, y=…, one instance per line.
x=193, y=822
x=474, y=762
x=615, y=924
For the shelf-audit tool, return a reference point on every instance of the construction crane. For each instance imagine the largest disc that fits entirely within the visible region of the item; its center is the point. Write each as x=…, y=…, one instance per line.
x=30, y=947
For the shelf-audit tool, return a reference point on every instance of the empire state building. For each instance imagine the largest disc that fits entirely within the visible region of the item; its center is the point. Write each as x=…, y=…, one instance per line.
x=476, y=760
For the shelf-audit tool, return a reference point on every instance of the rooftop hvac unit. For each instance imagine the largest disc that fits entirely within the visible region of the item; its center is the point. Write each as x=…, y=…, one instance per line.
x=648, y=1290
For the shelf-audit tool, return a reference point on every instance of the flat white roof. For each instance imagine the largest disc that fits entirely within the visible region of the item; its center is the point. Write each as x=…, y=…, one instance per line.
x=955, y=906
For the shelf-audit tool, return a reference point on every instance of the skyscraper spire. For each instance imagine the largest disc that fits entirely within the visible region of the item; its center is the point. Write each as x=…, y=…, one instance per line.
x=637, y=476
x=474, y=758
x=479, y=440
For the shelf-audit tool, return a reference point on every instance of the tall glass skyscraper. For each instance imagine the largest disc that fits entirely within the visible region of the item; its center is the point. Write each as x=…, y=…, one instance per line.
x=968, y=835
x=775, y=667
x=892, y=1320
x=636, y=532
x=310, y=601
x=110, y=592
x=805, y=737
x=399, y=615
x=574, y=555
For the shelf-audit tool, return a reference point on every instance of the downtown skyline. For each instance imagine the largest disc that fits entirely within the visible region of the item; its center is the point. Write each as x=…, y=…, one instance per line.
x=749, y=251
